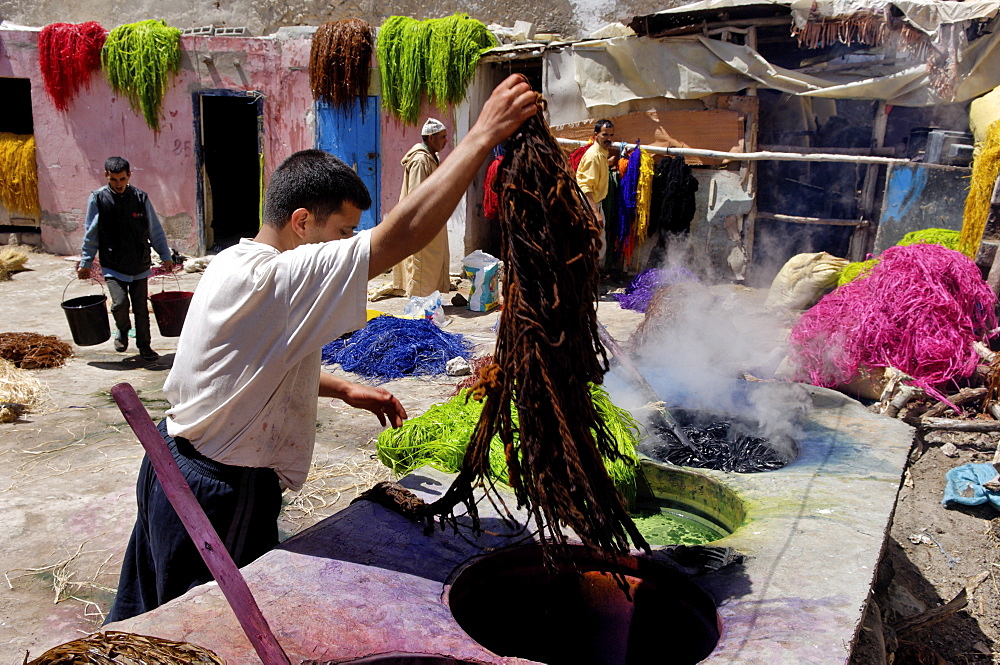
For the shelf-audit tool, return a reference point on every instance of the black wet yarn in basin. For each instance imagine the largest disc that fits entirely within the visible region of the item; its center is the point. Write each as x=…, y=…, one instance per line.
x=722, y=442
x=511, y=604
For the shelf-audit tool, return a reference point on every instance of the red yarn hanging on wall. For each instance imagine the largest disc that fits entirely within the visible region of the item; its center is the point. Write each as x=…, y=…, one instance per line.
x=68, y=53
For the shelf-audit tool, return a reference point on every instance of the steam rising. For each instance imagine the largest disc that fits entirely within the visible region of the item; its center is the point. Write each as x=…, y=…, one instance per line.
x=693, y=348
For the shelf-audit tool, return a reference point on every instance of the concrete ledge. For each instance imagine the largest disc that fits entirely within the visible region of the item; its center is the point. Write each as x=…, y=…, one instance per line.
x=367, y=581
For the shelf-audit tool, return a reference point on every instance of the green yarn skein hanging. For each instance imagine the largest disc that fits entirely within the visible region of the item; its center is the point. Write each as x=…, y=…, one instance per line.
x=436, y=56
x=138, y=59
x=440, y=435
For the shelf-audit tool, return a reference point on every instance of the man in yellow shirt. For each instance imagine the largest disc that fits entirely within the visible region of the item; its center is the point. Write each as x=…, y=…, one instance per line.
x=592, y=173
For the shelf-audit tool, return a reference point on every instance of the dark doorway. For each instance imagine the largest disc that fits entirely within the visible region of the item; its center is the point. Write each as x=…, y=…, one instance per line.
x=230, y=166
x=16, y=117
x=16, y=120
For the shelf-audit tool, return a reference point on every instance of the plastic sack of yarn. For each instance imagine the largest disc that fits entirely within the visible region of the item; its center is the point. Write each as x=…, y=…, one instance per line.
x=803, y=280
x=483, y=270
x=427, y=307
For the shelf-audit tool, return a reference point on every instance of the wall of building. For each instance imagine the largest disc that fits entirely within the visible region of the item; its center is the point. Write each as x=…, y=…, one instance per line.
x=263, y=17
x=71, y=147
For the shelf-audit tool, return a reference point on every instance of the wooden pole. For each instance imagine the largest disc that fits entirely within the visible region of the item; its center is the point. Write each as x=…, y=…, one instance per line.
x=767, y=155
x=196, y=523
x=861, y=238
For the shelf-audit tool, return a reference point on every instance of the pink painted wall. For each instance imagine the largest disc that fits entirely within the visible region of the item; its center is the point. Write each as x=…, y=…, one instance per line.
x=71, y=147
x=396, y=140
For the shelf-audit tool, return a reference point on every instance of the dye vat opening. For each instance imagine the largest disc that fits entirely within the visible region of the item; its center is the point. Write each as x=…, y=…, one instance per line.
x=511, y=604
x=397, y=658
x=723, y=442
x=677, y=506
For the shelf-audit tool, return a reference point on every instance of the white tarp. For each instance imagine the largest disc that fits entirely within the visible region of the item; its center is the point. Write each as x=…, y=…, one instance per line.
x=613, y=71
x=927, y=15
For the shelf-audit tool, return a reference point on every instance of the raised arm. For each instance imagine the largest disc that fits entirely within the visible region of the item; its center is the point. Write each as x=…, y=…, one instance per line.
x=421, y=214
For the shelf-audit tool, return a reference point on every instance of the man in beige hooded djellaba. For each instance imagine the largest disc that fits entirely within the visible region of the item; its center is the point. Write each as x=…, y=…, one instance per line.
x=427, y=270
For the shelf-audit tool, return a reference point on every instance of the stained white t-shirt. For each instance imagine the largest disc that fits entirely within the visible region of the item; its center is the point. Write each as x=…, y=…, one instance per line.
x=245, y=381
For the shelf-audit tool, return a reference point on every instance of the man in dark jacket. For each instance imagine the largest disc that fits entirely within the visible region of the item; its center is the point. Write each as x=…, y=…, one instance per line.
x=121, y=227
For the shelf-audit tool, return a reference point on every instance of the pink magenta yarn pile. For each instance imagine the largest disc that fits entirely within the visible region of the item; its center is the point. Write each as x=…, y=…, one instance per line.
x=919, y=310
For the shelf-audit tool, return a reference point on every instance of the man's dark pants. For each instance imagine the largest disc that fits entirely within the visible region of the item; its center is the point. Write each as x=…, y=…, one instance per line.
x=137, y=292
x=161, y=561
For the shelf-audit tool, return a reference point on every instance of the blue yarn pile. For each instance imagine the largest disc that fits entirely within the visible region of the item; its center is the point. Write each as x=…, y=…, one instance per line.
x=391, y=348
x=639, y=292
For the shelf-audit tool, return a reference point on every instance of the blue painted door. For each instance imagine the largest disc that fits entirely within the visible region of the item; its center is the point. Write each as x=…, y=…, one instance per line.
x=354, y=138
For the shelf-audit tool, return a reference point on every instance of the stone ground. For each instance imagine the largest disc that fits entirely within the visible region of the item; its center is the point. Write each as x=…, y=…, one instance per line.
x=67, y=474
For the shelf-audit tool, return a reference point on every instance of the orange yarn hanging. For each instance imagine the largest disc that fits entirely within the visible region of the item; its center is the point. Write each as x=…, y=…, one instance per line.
x=68, y=54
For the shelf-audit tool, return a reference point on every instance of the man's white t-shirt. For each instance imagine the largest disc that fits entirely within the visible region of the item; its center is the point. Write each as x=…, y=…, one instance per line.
x=245, y=381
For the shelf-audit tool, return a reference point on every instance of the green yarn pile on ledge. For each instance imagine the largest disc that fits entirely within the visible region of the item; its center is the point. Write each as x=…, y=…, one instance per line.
x=439, y=437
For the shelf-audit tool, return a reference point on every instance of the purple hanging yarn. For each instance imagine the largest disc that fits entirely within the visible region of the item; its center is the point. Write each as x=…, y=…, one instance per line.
x=389, y=348
x=639, y=293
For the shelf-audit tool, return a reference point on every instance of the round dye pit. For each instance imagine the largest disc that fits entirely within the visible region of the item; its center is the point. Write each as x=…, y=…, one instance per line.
x=661, y=523
x=396, y=658
x=722, y=442
x=511, y=604
x=682, y=507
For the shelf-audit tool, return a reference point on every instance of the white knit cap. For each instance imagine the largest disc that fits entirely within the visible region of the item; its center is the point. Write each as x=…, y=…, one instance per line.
x=432, y=127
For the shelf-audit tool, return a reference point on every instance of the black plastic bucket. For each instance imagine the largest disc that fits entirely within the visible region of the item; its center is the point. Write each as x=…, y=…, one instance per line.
x=88, y=318
x=170, y=309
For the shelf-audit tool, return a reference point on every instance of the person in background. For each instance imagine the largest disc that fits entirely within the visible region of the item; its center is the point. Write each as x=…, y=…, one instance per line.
x=244, y=384
x=426, y=271
x=120, y=228
x=592, y=173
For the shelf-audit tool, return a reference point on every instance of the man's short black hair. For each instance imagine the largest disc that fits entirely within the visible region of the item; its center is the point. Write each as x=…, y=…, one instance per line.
x=601, y=124
x=117, y=165
x=314, y=180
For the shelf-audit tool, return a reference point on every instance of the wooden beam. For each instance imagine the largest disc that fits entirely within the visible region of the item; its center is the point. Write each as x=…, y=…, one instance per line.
x=737, y=23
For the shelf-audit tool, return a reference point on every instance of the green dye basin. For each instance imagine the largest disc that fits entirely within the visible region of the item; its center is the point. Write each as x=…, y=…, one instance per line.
x=677, y=506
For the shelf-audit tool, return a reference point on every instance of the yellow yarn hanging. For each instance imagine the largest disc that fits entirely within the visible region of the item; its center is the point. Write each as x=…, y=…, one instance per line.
x=977, y=205
x=643, y=196
x=19, y=186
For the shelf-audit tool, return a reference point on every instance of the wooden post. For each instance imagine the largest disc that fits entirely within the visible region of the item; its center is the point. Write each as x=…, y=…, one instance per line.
x=196, y=523
x=749, y=177
x=862, y=235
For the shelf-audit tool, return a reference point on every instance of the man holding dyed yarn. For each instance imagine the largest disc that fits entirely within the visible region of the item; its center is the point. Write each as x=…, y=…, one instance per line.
x=121, y=226
x=245, y=380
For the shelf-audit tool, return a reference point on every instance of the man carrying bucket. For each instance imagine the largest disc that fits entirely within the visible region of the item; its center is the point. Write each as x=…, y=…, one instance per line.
x=121, y=226
x=244, y=384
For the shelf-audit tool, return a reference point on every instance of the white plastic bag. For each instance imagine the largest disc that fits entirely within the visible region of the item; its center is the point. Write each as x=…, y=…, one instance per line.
x=428, y=307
